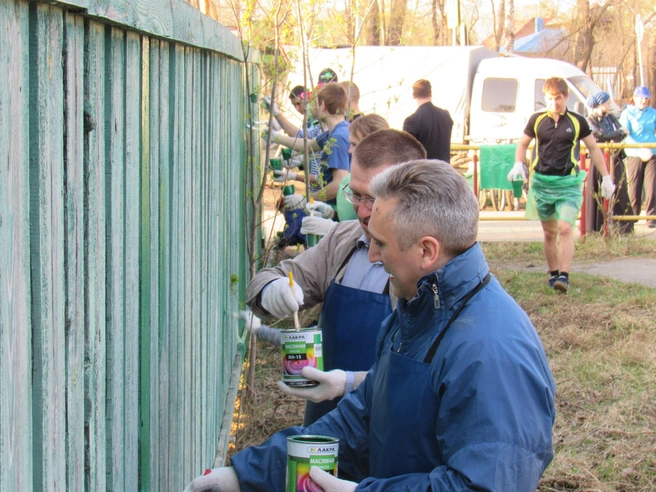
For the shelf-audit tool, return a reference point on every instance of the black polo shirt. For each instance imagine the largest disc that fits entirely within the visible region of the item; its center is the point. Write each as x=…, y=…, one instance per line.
x=557, y=145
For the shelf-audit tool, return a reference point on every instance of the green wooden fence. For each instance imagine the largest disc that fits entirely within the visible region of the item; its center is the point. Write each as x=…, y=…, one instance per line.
x=122, y=242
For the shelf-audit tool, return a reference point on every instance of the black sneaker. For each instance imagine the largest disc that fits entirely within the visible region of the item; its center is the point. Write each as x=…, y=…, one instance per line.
x=552, y=281
x=561, y=284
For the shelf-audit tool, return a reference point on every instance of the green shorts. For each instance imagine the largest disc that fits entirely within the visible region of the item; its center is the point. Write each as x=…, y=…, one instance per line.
x=555, y=197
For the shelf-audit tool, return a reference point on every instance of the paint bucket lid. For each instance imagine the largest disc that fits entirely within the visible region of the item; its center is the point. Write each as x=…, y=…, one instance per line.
x=313, y=439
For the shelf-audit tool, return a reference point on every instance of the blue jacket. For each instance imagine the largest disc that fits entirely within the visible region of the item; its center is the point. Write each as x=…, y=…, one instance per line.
x=490, y=410
x=641, y=125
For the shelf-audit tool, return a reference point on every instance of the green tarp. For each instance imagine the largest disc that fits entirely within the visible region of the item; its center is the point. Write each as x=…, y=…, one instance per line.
x=496, y=162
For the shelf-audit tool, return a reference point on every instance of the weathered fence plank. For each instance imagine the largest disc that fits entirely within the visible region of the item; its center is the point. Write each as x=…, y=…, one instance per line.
x=160, y=166
x=15, y=301
x=95, y=200
x=148, y=215
x=47, y=248
x=132, y=192
x=74, y=247
x=116, y=245
x=120, y=226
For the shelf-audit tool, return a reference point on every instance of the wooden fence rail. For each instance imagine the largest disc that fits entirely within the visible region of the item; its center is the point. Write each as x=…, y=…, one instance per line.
x=122, y=242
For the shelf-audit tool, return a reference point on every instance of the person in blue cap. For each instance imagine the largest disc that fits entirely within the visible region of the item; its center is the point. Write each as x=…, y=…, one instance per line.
x=460, y=395
x=606, y=128
x=640, y=119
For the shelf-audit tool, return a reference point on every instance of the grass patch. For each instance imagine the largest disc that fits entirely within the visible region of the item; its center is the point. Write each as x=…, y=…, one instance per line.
x=601, y=344
x=600, y=339
x=592, y=247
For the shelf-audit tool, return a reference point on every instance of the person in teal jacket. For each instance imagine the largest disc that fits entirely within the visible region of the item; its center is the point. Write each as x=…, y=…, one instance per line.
x=460, y=396
x=640, y=119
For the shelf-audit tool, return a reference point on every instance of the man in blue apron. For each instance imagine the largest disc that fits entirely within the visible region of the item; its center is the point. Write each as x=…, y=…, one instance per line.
x=337, y=272
x=461, y=396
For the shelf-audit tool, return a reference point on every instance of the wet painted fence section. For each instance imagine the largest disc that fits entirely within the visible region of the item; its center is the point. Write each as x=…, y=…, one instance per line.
x=122, y=258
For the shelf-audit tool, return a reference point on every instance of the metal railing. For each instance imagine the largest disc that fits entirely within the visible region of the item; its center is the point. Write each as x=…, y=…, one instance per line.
x=607, y=148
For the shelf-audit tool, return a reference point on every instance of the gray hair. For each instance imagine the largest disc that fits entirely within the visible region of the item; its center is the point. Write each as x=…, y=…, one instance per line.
x=432, y=199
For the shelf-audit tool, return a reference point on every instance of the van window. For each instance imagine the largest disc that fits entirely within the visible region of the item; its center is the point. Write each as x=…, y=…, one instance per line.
x=499, y=95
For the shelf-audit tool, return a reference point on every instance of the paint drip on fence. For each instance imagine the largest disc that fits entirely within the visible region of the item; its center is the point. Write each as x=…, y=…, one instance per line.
x=304, y=452
x=299, y=349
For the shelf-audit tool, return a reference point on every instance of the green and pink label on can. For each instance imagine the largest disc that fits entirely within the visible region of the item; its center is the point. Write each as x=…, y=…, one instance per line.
x=299, y=349
x=304, y=452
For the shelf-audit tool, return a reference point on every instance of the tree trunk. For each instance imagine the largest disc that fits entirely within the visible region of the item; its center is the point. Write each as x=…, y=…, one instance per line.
x=397, y=16
x=499, y=28
x=373, y=25
x=438, y=21
x=436, y=27
x=583, y=36
x=349, y=14
x=510, y=27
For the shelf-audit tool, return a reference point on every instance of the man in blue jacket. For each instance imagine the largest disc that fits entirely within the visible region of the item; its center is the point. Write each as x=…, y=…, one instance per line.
x=461, y=396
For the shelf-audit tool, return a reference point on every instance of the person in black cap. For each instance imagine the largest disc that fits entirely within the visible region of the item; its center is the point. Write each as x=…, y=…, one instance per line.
x=325, y=76
x=607, y=128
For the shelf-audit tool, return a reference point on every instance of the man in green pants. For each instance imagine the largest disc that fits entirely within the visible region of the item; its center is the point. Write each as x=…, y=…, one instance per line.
x=555, y=192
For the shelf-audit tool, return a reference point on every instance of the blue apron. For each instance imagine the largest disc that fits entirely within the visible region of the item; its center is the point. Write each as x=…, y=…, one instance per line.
x=349, y=322
x=401, y=439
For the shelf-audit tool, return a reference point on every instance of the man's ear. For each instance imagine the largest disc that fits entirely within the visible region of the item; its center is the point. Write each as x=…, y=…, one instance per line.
x=430, y=252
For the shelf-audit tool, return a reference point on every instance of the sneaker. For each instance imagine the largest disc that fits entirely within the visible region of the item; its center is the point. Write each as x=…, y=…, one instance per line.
x=561, y=284
x=552, y=281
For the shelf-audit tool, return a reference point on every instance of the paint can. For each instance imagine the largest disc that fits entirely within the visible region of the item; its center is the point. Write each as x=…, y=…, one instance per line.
x=299, y=349
x=304, y=452
x=517, y=187
x=276, y=163
x=312, y=239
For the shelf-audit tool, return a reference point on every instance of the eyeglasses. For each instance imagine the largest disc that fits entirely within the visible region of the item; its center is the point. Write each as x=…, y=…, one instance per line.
x=367, y=201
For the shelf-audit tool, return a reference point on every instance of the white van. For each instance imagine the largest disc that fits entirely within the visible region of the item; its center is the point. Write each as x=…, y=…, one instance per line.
x=507, y=90
x=489, y=97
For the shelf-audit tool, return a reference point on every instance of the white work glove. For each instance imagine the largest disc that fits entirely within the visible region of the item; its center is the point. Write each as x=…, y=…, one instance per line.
x=517, y=172
x=274, y=136
x=296, y=161
x=294, y=202
x=331, y=385
x=263, y=332
x=317, y=226
x=325, y=210
x=607, y=187
x=273, y=108
x=328, y=482
x=283, y=176
x=253, y=323
x=223, y=478
x=281, y=300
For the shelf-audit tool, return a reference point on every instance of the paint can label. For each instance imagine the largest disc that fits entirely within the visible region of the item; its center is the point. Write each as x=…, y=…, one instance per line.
x=304, y=452
x=299, y=349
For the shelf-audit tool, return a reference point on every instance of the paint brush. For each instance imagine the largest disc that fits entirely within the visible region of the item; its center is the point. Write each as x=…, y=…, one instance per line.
x=297, y=325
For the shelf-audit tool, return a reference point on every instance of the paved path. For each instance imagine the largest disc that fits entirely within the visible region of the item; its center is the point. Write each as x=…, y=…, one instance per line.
x=638, y=270
x=495, y=227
